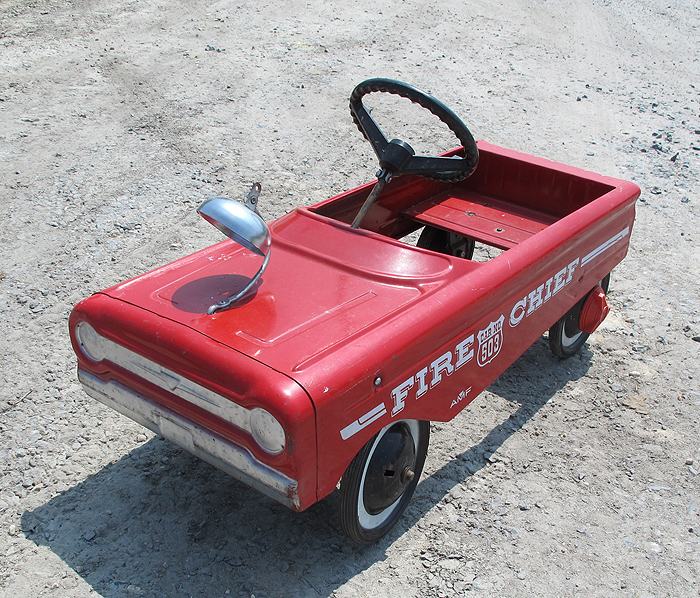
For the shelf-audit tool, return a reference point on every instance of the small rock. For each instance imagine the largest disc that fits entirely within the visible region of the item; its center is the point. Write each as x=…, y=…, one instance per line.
x=480, y=584
x=199, y=536
x=450, y=564
x=638, y=403
x=28, y=523
x=521, y=575
x=689, y=461
x=89, y=536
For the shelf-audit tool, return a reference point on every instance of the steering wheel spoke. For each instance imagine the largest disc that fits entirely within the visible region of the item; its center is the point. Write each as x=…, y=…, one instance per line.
x=420, y=164
x=370, y=130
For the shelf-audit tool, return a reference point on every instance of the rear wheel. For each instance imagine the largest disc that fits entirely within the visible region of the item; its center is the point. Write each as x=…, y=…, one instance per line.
x=443, y=241
x=565, y=337
x=380, y=481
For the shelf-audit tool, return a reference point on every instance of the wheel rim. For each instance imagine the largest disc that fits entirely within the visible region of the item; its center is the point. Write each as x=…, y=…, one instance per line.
x=389, y=470
x=570, y=332
x=395, y=449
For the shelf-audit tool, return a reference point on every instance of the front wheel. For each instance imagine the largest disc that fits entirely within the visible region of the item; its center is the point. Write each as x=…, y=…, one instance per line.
x=565, y=337
x=380, y=480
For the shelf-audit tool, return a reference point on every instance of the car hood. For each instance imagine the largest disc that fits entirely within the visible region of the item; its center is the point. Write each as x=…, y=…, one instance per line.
x=325, y=286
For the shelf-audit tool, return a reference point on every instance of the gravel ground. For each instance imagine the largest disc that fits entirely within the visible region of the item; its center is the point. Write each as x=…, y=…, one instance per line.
x=565, y=478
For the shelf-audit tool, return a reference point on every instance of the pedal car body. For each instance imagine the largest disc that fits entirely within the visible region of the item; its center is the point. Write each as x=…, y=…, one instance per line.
x=350, y=331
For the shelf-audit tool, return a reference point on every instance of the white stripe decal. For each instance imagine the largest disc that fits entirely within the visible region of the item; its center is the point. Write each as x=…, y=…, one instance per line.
x=363, y=422
x=605, y=246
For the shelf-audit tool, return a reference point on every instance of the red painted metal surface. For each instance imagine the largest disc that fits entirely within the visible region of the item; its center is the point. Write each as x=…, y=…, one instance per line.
x=493, y=221
x=594, y=311
x=351, y=329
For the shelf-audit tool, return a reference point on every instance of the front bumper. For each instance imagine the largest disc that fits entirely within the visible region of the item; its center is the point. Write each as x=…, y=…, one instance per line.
x=234, y=460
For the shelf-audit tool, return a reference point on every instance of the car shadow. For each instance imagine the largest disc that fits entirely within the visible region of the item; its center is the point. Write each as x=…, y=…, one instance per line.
x=527, y=386
x=160, y=522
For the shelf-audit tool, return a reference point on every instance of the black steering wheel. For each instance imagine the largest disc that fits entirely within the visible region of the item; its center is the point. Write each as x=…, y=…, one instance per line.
x=397, y=157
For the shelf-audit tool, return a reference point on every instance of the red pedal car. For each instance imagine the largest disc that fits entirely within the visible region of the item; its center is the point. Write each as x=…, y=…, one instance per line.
x=318, y=349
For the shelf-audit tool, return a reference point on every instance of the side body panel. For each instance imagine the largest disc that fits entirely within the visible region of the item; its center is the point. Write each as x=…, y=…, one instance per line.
x=434, y=360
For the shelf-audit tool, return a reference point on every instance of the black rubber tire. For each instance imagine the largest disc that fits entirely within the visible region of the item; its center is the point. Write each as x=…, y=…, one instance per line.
x=356, y=521
x=565, y=337
x=446, y=242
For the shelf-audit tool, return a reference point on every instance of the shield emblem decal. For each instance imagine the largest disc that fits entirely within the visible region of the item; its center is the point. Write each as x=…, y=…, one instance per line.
x=490, y=342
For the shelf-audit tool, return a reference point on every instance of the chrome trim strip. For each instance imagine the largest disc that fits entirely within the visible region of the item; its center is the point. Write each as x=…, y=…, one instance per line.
x=178, y=385
x=208, y=446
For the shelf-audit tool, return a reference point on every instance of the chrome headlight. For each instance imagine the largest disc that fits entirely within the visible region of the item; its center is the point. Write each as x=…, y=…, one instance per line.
x=91, y=343
x=267, y=431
